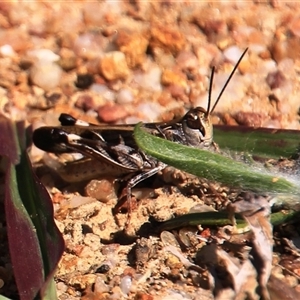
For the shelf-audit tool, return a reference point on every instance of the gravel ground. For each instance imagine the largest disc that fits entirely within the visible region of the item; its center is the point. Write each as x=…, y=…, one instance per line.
x=123, y=62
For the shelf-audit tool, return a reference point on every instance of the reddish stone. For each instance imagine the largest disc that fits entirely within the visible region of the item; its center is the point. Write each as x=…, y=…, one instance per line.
x=110, y=113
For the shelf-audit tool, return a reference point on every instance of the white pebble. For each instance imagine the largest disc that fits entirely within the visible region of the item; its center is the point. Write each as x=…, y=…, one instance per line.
x=266, y=66
x=46, y=75
x=150, y=80
x=124, y=96
x=125, y=284
x=133, y=120
x=99, y=88
x=43, y=55
x=245, y=30
x=150, y=110
x=232, y=54
x=104, y=91
x=7, y=51
x=257, y=48
x=62, y=287
x=89, y=46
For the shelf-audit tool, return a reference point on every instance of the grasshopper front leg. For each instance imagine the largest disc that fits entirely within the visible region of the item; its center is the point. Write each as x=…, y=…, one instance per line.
x=133, y=182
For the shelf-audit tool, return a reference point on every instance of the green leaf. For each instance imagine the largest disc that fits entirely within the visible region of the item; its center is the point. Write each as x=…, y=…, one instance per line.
x=262, y=142
x=4, y=298
x=214, y=166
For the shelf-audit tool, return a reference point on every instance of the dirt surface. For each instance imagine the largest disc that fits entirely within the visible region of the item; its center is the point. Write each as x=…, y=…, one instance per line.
x=118, y=62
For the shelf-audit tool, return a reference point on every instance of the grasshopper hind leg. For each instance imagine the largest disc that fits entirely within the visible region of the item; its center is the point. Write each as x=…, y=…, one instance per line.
x=126, y=192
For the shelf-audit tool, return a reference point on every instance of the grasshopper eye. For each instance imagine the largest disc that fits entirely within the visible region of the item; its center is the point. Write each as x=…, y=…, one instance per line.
x=196, y=119
x=193, y=121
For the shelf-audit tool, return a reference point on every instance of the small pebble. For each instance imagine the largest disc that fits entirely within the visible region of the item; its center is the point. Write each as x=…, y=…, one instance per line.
x=84, y=81
x=143, y=251
x=232, y=54
x=113, y=66
x=249, y=119
x=133, y=120
x=45, y=73
x=134, y=45
x=85, y=102
x=149, y=110
x=168, y=38
x=150, y=79
x=110, y=113
x=7, y=50
x=168, y=238
x=100, y=286
x=62, y=287
x=103, y=190
x=103, y=269
x=173, y=77
x=104, y=91
x=257, y=48
x=275, y=79
x=47, y=76
x=124, y=96
x=43, y=56
x=89, y=45
x=125, y=284
x=68, y=59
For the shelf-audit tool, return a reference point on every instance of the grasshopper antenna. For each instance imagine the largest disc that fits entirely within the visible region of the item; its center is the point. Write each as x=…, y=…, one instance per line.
x=225, y=85
x=210, y=90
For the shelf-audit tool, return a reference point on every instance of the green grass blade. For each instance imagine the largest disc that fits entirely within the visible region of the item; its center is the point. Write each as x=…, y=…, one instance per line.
x=221, y=219
x=262, y=142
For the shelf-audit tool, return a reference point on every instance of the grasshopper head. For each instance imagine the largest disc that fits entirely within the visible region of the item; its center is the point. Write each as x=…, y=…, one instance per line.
x=197, y=128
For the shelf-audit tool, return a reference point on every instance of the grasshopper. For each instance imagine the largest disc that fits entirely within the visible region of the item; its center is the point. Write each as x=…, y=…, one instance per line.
x=113, y=149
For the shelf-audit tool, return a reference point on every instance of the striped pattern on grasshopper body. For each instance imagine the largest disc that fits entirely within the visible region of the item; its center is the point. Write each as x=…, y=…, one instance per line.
x=111, y=149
